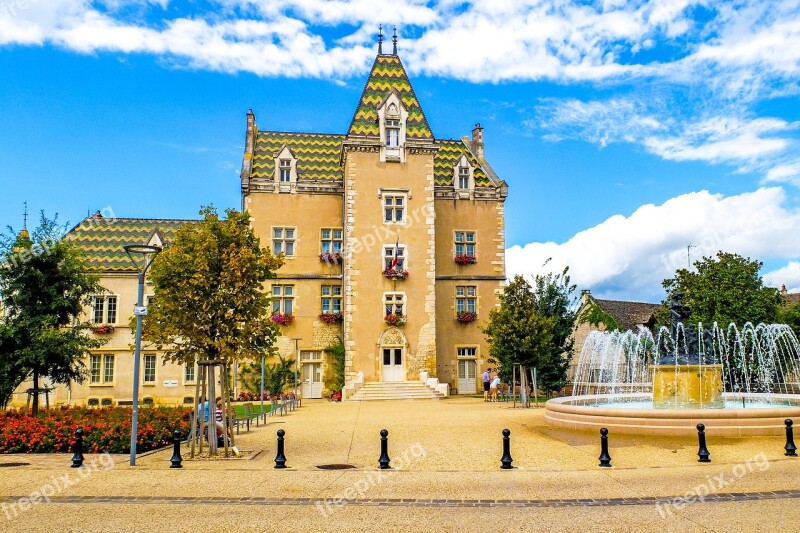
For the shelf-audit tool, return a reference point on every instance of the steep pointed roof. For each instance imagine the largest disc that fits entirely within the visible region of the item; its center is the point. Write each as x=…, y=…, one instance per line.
x=387, y=75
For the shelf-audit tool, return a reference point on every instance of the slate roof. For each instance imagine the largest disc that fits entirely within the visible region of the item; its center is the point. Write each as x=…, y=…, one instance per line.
x=102, y=239
x=387, y=75
x=628, y=314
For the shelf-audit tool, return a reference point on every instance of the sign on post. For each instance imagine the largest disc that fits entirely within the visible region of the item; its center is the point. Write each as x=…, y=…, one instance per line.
x=139, y=310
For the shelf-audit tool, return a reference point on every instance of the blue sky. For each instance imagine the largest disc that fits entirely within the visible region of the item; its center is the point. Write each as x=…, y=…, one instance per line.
x=626, y=130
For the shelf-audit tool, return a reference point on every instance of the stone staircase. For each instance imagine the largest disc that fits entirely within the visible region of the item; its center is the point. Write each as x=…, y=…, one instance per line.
x=396, y=390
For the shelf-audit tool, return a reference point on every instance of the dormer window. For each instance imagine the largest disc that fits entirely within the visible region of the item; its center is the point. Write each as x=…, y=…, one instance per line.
x=392, y=133
x=463, y=177
x=392, y=117
x=285, y=170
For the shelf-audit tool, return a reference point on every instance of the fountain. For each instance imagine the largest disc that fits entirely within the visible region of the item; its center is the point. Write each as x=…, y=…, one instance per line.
x=736, y=381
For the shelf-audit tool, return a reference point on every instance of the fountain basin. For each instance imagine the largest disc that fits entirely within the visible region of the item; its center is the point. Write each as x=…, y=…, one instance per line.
x=764, y=416
x=687, y=386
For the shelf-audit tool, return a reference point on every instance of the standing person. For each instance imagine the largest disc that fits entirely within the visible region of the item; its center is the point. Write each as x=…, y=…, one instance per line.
x=486, y=379
x=493, y=387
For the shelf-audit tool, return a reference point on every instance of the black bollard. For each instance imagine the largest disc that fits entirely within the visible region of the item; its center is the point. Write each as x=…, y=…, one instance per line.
x=703, y=452
x=383, y=460
x=176, y=453
x=280, y=458
x=605, y=458
x=791, y=449
x=506, y=459
x=77, y=456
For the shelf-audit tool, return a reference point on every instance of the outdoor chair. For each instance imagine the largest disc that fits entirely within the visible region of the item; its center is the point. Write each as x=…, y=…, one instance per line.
x=277, y=407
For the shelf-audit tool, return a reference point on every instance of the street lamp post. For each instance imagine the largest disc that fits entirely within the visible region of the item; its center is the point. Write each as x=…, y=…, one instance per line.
x=147, y=254
x=296, y=359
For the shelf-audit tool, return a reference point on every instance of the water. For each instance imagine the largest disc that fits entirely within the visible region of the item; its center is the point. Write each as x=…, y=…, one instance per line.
x=755, y=360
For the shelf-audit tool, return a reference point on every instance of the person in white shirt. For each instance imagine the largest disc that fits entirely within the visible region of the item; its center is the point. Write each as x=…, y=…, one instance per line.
x=493, y=387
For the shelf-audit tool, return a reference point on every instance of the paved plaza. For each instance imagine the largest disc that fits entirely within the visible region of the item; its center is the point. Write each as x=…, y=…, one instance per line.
x=446, y=477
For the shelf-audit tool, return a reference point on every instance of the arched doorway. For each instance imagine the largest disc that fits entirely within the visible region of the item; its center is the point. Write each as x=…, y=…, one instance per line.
x=392, y=345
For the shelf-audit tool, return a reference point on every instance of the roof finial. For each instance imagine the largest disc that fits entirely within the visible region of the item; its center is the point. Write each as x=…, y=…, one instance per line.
x=380, y=39
x=394, y=42
x=25, y=216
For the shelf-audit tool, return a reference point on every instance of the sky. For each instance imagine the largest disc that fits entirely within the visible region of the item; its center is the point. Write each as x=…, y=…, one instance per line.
x=636, y=137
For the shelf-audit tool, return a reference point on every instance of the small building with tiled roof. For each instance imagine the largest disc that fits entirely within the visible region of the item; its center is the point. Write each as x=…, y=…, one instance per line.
x=394, y=240
x=598, y=314
x=101, y=239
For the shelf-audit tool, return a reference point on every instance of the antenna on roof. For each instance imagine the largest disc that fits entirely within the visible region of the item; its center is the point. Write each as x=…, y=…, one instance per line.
x=25, y=216
x=394, y=42
x=380, y=39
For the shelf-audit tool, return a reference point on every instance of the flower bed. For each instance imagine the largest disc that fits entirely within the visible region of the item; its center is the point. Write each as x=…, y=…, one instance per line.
x=466, y=259
x=330, y=318
x=394, y=320
x=466, y=317
x=395, y=274
x=336, y=396
x=331, y=257
x=283, y=319
x=105, y=430
x=102, y=328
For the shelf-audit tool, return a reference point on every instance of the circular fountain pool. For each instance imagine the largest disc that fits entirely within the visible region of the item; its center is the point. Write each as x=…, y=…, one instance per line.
x=620, y=385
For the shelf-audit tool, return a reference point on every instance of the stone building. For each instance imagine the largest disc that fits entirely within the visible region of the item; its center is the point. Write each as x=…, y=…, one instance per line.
x=394, y=241
x=394, y=245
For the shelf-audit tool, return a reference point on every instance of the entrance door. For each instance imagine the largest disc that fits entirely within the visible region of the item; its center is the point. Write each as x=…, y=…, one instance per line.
x=312, y=380
x=393, y=368
x=466, y=376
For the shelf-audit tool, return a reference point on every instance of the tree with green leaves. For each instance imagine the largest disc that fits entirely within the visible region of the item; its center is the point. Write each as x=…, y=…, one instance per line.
x=723, y=289
x=44, y=286
x=336, y=352
x=209, y=300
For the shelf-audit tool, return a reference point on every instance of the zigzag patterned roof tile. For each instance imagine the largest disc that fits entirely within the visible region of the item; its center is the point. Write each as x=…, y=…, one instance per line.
x=102, y=239
x=444, y=163
x=387, y=75
x=317, y=154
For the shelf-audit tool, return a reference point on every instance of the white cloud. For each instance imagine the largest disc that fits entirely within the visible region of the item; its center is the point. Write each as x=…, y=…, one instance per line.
x=788, y=276
x=789, y=173
x=627, y=257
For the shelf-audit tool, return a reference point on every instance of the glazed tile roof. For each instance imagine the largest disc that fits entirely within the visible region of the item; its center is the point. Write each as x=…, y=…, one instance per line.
x=388, y=75
x=102, y=239
x=317, y=154
x=445, y=161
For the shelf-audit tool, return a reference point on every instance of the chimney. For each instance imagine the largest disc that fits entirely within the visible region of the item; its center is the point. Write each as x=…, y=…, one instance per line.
x=585, y=295
x=249, y=147
x=477, y=141
x=784, y=292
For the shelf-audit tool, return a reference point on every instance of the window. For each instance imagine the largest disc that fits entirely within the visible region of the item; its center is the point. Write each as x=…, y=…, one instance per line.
x=394, y=208
x=104, y=309
x=149, y=369
x=394, y=303
x=466, y=298
x=392, y=133
x=285, y=167
x=283, y=241
x=331, y=241
x=310, y=355
x=331, y=299
x=101, y=369
x=189, y=373
x=463, y=177
x=282, y=299
x=467, y=352
x=388, y=257
x=465, y=243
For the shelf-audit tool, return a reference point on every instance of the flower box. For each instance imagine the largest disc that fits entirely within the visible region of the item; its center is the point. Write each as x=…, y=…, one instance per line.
x=330, y=318
x=395, y=274
x=465, y=317
x=394, y=320
x=466, y=259
x=283, y=319
x=102, y=329
x=331, y=257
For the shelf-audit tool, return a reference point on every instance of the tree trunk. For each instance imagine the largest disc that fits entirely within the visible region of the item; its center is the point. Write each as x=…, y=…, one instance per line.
x=523, y=389
x=35, y=406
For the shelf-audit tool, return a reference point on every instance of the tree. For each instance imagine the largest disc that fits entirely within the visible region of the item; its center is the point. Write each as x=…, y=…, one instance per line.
x=337, y=354
x=276, y=376
x=209, y=299
x=725, y=289
x=554, y=299
x=44, y=286
x=790, y=315
x=517, y=333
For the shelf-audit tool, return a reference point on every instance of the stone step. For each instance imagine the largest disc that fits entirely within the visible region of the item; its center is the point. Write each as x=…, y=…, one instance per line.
x=395, y=390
